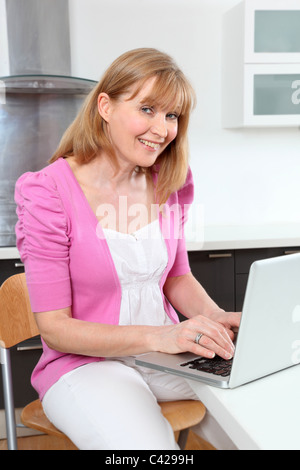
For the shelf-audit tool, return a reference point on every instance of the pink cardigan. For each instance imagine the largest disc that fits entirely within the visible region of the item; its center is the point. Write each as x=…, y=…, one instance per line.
x=67, y=263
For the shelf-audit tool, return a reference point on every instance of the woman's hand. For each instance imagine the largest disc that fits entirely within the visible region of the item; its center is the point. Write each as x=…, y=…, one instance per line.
x=204, y=316
x=217, y=335
x=230, y=320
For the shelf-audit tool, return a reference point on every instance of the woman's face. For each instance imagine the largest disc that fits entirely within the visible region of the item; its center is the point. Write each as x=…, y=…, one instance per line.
x=139, y=131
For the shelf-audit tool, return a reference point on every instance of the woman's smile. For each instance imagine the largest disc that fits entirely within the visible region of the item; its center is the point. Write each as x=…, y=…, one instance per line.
x=152, y=146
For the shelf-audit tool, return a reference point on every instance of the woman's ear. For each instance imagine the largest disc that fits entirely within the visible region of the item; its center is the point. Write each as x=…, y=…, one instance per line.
x=104, y=105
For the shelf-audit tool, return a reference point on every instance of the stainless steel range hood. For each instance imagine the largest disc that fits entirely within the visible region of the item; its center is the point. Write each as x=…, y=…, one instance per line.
x=38, y=100
x=38, y=36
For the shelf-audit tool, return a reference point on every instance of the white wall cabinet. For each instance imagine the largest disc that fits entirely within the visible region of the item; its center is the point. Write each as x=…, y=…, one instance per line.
x=261, y=64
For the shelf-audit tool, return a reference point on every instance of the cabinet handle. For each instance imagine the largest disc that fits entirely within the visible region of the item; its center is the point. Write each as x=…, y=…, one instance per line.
x=291, y=252
x=219, y=255
x=19, y=265
x=29, y=348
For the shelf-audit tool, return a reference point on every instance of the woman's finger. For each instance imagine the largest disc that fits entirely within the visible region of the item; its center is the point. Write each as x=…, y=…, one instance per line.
x=210, y=346
x=215, y=336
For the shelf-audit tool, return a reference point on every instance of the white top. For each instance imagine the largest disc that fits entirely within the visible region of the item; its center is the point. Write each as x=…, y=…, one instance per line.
x=140, y=259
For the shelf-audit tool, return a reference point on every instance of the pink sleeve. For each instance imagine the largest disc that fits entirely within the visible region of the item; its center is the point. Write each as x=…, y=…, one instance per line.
x=42, y=240
x=181, y=264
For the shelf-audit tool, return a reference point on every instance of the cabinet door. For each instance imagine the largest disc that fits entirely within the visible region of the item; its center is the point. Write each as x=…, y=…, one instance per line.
x=215, y=271
x=260, y=64
x=245, y=258
x=9, y=267
x=23, y=362
x=25, y=356
x=272, y=95
x=272, y=31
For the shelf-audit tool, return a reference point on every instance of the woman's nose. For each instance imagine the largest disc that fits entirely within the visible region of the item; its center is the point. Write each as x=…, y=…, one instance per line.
x=159, y=126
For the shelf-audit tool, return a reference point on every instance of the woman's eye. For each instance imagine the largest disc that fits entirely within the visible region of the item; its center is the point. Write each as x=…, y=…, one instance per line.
x=172, y=116
x=147, y=109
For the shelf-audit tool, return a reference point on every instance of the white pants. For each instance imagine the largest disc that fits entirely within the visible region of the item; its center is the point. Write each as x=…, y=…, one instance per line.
x=112, y=405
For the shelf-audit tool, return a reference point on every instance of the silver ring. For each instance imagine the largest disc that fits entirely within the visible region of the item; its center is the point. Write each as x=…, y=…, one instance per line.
x=198, y=337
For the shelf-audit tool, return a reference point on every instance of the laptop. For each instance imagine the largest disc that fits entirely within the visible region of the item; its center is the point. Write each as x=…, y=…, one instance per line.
x=268, y=339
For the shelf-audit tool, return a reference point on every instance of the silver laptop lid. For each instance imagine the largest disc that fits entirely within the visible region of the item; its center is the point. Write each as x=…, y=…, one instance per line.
x=269, y=336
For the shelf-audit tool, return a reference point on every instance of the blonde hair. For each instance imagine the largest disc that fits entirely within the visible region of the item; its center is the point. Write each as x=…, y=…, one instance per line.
x=87, y=135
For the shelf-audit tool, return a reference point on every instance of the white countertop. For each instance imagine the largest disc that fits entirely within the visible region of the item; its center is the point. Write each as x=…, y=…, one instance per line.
x=262, y=415
x=238, y=237
x=9, y=253
x=226, y=237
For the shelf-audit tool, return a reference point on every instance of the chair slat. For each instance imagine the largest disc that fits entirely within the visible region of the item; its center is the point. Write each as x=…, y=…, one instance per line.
x=17, y=321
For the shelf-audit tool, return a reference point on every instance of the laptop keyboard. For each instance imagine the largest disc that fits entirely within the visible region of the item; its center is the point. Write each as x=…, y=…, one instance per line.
x=216, y=366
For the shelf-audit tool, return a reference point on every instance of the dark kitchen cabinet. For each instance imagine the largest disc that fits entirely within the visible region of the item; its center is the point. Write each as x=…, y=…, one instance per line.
x=215, y=271
x=24, y=356
x=224, y=274
x=9, y=267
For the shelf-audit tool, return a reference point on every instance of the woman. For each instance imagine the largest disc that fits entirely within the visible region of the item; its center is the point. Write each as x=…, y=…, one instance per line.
x=100, y=231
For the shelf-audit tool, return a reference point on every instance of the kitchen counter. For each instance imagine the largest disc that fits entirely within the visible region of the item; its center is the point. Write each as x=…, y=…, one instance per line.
x=239, y=237
x=9, y=253
x=223, y=237
x=262, y=415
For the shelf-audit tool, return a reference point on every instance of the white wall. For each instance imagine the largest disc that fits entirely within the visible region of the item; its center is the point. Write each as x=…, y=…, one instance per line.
x=242, y=176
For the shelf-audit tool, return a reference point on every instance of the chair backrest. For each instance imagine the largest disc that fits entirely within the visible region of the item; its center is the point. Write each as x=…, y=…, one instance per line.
x=17, y=321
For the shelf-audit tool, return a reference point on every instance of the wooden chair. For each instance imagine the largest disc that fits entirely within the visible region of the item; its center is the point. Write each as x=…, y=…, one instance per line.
x=17, y=324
